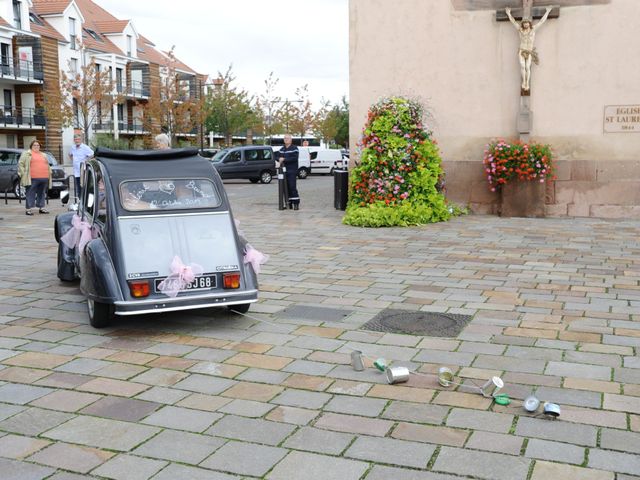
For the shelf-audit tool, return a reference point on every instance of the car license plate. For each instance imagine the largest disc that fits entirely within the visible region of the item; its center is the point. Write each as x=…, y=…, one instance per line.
x=203, y=282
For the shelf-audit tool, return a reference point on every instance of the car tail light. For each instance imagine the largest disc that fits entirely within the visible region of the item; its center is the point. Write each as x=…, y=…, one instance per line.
x=231, y=280
x=139, y=288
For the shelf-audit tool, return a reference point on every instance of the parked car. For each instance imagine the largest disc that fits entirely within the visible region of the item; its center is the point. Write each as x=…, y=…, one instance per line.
x=325, y=160
x=153, y=232
x=255, y=163
x=10, y=182
x=304, y=161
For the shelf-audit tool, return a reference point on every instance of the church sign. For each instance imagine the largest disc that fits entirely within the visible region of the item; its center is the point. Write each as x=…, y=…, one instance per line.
x=622, y=119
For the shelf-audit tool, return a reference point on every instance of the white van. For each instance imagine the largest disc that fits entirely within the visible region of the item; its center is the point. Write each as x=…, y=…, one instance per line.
x=325, y=160
x=304, y=161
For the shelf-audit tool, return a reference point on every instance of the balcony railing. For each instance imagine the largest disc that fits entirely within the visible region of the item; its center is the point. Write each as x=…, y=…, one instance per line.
x=20, y=117
x=137, y=90
x=20, y=69
x=123, y=127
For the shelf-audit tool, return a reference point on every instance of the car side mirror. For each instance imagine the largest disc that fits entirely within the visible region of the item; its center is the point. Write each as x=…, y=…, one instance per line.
x=64, y=197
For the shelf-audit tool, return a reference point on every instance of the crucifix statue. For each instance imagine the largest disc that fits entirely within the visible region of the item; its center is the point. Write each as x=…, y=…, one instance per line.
x=527, y=30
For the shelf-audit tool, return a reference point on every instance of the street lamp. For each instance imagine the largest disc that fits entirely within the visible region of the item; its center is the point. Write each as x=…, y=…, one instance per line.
x=218, y=82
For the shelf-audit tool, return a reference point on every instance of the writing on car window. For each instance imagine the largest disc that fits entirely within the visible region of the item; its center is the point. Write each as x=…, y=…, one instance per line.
x=168, y=194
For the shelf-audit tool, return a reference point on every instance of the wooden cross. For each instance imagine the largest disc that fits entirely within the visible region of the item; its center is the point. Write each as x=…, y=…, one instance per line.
x=527, y=11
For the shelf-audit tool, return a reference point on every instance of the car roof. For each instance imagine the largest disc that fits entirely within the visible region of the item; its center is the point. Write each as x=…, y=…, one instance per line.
x=12, y=150
x=246, y=147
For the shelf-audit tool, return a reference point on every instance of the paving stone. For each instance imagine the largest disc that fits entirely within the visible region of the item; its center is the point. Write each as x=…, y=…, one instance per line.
x=415, y=412
x=591, y=385
x=21, y=394
x=16, y=470
x=7, y=410
x=66, y=400
x=18, y=447
x=261, y=361
x=614, y=461
x=116, y=408
x=319, y=441
x=620, y=440
x=182, y=419
x=251, y=430
x=34, y=421
x=199, y=401
x=354, y=424
x=509, y=364
x=578, y=398
x=430, y=434
x=253, y=391
x=396, y=392
x=210, y=354
x=163, y=395
x=128, y=467
x=160, y=377
x=311, y=466
x=567, y=369
x=263, y=376
x=347, y=387
x=64, y=380
x=559, y=431
x=174, y=472
x=465, y=400
x=495, y=442
x=82, y=366
x=546, y=470
x=479, y=420
x=216, y=369
x=445, y=358
x=390, y=451
x=307, y=382
x=71, y=457
x=308, y=368
x=537, y=353
x=205, y=384
x=301, y=398
x=293, y=415
x=22, y=375
x=102, y=433
x=110, y=386
x=379, y=472
x=37, y=360
x=233, y=457
x=367, y=407
x=180, y=447
x=555, y=451
x=247, y=408
x=481, y=464
x=67, y=476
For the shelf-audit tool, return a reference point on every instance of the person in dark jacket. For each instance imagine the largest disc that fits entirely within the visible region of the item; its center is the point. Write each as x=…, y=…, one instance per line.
x=288, y=156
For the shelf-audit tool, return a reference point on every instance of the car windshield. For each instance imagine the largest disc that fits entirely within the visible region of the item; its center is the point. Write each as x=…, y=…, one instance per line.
x=169, y=194
x=220, y=155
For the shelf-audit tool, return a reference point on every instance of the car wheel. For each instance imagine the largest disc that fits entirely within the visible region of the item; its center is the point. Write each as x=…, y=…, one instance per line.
x=266, y=177
x=99, y=314
x=242, y=308
x=254, y=180
x=303, y=173
x=18, y=191
x=66, y=270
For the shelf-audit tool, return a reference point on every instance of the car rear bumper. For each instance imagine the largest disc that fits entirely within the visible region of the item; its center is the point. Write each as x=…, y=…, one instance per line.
x=187, y=302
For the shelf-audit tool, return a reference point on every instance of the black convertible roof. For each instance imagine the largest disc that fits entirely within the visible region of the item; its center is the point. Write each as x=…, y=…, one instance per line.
x=124, y=165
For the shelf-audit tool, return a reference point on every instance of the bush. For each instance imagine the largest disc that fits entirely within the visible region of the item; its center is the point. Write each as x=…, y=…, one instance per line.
x=396, y=181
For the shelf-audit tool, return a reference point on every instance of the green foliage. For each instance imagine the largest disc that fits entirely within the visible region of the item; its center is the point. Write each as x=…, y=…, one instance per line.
x=396, y=182
x=107, y=140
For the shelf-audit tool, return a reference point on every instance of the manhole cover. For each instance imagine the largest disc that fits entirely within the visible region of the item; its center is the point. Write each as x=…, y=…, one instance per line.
x=305, y=312
x=418, y=323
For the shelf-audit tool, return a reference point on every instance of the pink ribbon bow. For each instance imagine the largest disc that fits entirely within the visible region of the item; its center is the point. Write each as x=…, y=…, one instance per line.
x=79, y=235
x=181, y=276
x=255, y=258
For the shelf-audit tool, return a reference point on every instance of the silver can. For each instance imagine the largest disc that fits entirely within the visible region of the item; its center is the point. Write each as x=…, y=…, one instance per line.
x=493, y=385
x=445, y=376
x=356, y=361
x=551, y=409
x=531, y=404
x=397, y=374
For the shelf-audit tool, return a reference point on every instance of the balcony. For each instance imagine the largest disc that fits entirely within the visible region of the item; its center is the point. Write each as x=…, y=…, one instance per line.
x=132, y=128
x=137, y=89
x=22, y=118
x=20, y=71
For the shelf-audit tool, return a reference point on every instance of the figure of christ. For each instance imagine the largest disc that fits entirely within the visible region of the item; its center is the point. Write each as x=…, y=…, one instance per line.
x=527, y=52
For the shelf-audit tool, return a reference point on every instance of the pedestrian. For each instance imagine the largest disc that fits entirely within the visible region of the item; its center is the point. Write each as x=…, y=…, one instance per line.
x=78, y=155
x=289, y=158
x=162, y=141
x=35, y=175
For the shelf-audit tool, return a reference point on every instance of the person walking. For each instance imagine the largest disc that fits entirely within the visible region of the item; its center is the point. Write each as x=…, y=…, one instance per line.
x=289, y=157
x=35, y=175
x=78, y=155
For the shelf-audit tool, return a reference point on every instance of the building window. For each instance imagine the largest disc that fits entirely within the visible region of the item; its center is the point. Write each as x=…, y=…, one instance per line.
x=72, y=33
x=7, y=61
x=17, y=14
x=119, y=80
x=76, y=113
x=73, y=65
x=35, y=19
x=129, y=45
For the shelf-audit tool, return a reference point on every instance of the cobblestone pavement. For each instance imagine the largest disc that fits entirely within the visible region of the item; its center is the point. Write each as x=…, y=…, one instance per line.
x=212, y=395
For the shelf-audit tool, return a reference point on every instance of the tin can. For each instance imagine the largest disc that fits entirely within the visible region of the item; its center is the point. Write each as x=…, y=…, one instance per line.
x=551, y=409
x=356, y=361
x=397, y=374
x=445, y=376
x=494, y=384
x=531, y=404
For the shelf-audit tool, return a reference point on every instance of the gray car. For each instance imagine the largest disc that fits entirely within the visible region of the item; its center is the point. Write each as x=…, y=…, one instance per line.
x=10, y=182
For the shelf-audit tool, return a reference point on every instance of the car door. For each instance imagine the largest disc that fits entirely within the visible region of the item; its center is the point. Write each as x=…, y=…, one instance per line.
x=231, y=165
x=7, y=171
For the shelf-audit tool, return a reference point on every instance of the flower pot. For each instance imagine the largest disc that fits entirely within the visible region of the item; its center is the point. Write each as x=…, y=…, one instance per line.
x=523, y=199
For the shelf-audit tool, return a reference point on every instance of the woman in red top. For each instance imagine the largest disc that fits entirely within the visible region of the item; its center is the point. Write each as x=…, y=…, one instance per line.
x=35, y=174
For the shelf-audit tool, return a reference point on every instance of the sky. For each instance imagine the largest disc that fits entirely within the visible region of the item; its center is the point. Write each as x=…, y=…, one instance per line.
x=300, y=41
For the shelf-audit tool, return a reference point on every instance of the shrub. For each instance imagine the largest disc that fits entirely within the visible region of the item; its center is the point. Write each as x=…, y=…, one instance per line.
x=504, y=162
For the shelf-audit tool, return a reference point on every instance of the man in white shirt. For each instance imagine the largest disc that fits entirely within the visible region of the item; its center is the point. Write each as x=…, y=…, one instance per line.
x=78, y=155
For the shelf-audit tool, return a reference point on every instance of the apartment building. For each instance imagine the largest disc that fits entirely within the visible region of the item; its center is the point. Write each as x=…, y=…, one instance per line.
x=40, y=38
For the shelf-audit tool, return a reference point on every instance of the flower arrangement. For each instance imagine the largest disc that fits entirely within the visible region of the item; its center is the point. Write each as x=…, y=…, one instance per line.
x=396, y=181
x=504, y=162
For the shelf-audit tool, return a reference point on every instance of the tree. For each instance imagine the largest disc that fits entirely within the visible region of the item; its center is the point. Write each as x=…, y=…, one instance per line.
x=303, y=115
x=175, y=106
x=267, y=107
x=230, y=109
x=332, y=123
x=342, y=120
x=84, y=97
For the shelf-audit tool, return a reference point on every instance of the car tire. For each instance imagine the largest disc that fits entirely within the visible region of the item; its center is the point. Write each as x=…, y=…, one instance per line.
x=303, y=173
x=242, y=308
x=99, y=313
x=254, y=180
x=18, y=191
x=66, y=270
x=265, y=176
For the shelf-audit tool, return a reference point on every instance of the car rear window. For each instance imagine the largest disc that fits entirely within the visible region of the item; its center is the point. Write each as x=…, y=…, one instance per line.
x=169, y=194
